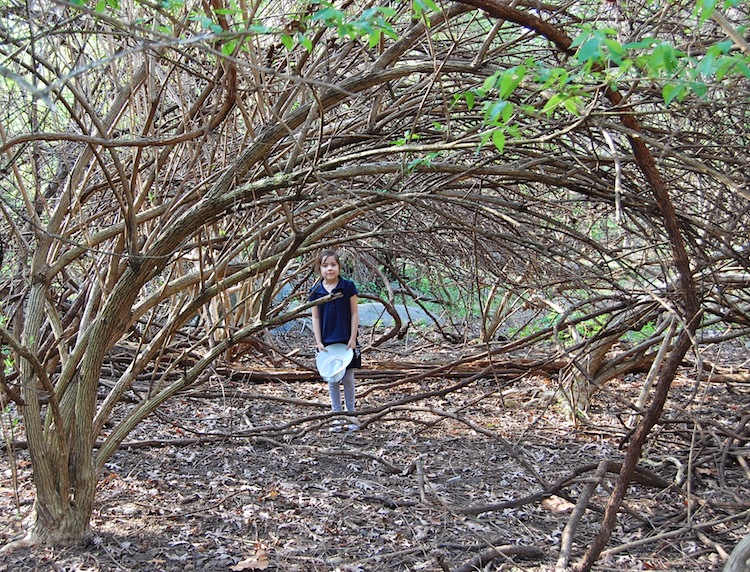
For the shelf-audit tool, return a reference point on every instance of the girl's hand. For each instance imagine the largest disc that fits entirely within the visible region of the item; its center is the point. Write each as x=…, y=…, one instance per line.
x=352, y=344
x=321, y=348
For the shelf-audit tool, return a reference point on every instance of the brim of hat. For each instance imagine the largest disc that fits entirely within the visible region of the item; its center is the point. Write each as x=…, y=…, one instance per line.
x=333, y=362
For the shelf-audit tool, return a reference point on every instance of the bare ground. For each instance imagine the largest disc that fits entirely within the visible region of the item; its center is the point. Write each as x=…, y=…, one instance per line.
x=242, y=476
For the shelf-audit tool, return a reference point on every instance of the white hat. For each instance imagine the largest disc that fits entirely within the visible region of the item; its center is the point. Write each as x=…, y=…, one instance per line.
x=333, y=361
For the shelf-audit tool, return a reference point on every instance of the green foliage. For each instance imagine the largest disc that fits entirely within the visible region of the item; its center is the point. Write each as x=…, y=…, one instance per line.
x=100, y=5
x=598, y=46
x=206, y=22
x=406, y=139
x=570, y=102
x=505, y=83
x=372, y=24
x=600, y=59
x=5, y=354
x=538, y=324
x=682, y=74
x=426, y=160
x=586, y=328
x=287, y=41
x=636, y=336
x=14, y=420
x=424, y=7
x=704, y=8
x=496, y=108
x=172, y=5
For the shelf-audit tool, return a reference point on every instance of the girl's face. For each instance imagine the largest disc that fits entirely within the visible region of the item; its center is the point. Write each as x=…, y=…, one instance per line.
x=329, y=268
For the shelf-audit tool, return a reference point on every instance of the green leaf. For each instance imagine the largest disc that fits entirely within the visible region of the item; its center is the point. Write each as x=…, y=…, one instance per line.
x=615, y=50
x=495, y=111
x=553, y=103
x=498, y=139
x=390, y=32
x=483, y=141
x=469, y=100
x=373, y=38
x=408, y=137
x=490, y=83
x=258, y=29
x=329, y=15
x=725, y=66
x=556, y=77
x=643, y=44
x=306, y=42
x=704, y=8
x=571, y=104
x=580, y=38
x=699, y=88
x=707, y=66
x=228, y=48
x=589, y=51
x=664, y=58
x=415, y=163
x=722, y=47
x=672, y=91
x=508, y=112
x=510, y=80
x=287, y=41
x=424, y=7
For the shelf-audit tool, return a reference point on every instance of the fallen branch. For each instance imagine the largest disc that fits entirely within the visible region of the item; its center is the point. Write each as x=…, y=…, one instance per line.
x=566, y=541
x=506, y=551
x=629, y=546
x=641, y=476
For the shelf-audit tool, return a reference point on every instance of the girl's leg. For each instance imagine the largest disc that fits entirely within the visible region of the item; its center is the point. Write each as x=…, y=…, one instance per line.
x=349, y=389
x=334, y=389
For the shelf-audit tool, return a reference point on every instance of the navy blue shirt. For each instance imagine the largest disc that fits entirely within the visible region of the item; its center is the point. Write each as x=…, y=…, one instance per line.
x=335, y=315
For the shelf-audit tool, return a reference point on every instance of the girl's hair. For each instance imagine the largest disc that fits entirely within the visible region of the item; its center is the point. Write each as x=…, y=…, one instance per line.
x=325, y=253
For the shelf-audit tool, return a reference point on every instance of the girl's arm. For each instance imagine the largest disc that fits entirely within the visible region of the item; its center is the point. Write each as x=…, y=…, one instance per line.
x=355, y=321
x=316, y=328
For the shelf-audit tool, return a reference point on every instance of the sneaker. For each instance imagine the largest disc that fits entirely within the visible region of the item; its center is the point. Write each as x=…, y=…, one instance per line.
x=337, y=426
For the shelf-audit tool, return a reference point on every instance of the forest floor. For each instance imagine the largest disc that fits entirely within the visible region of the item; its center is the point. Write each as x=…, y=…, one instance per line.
x=446, y=473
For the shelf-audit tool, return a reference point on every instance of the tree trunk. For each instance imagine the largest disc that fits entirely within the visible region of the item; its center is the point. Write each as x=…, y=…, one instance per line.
x=738, y=559
x=65, y=490
x=60, y=517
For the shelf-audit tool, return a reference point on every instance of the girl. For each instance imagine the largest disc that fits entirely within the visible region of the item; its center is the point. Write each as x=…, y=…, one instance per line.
x=336, y=322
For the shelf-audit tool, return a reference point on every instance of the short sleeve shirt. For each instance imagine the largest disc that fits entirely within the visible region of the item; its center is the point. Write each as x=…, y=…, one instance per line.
x=335, y=315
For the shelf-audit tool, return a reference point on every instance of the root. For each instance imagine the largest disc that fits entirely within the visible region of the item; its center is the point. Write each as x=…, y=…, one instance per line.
x=27, y=541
